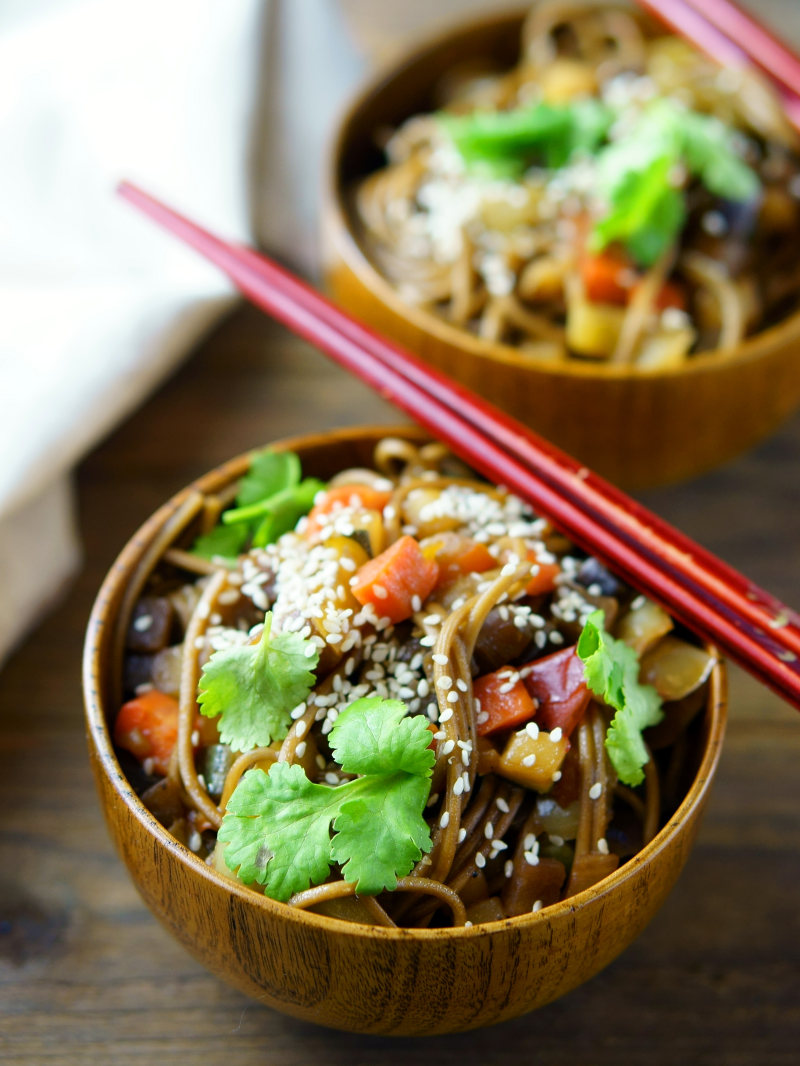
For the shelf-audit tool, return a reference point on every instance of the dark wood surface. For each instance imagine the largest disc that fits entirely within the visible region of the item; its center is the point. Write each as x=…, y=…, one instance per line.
x=87, y=975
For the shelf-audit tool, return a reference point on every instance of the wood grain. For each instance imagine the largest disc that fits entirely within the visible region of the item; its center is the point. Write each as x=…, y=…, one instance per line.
x=88, y=976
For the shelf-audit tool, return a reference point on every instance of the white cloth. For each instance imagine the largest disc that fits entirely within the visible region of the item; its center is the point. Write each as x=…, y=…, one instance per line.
x=96, y=304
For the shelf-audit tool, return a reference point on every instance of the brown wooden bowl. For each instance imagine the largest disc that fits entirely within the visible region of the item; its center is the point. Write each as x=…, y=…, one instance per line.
x=638, y=428
x=356, y=977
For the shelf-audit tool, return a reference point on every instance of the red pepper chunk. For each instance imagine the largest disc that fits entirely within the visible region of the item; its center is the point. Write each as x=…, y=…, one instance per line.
x=393, y=581
x=557, y=682
x=504, y=700
x=147, y=727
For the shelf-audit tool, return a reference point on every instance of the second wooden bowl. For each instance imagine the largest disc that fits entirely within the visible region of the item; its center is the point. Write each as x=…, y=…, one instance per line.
x=637, y=428
x=344, y=975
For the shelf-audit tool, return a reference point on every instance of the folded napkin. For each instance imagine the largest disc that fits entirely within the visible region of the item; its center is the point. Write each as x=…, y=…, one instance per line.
x=97, y=305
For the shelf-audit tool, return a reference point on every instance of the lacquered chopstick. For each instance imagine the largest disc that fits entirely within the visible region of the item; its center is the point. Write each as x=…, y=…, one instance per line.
x=710, y=597
x=726, y=33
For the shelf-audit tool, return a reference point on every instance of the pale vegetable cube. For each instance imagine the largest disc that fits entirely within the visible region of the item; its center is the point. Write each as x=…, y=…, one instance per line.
x=532, y=761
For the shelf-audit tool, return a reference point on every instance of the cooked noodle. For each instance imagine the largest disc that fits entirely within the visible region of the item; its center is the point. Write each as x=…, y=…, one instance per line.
x=501, y=256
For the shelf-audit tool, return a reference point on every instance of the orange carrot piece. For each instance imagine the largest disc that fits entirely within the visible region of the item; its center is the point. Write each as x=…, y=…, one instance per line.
x=456, y=554
x=543, y=580
x=364, y=496
x=393, y=580
x=505, y=703
x=607, y=278
x=147, y=727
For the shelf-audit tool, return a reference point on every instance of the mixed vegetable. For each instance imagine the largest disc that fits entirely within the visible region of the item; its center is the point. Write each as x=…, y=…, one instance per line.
x=407, y=684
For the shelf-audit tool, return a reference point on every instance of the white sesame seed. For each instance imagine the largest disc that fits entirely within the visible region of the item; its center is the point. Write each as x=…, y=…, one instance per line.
x=444, y=682
x=462, y=834
x=531, y=858
x=595, y=791
x=556, y=734
x=557, y=775
x=467, y=924
x=480, y=860
x=529, y=760
x=380, y=591
x=488, y=830
x=444, y=821
x=461, y=685
x=416, y=603
x=432, y=620
x=502, y=805
x=300, y=750
x=439, y=659
x=532, y=729
x=144, y=621
x=458, y=787
x=556, y=840
x=446, y=715
x=602, y=846
x=537, y=906
x=448, y=746
x=508, y=869
x=452, y=697
x=300, y=729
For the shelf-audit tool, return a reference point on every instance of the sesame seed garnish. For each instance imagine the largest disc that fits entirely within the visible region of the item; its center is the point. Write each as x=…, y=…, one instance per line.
x=557, y=775
x=300, y=729
x=462, y=835
x=452, y=697
x=602, y=846
x=461, y=685
x=448, y=746
x=432, y=620
x=380, y=591
x=537, y=906
x=439, y=659
x=555, y=734
x=458, y=787
x=501, y=805
x=300, y=750
x=529, y=760
x=480, y=860
x=532, y=729
x=488, y=830
x=444, y=682
x=595, y=791
x=444, y=821
x=446, y=715
x=144, y=621
x=508, y=869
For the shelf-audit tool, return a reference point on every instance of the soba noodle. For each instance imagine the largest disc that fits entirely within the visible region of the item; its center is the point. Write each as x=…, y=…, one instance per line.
x=504, y=257
x=500, y=846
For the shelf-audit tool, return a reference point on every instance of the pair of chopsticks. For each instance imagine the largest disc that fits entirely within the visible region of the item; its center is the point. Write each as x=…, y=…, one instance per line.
x=732, y=37
x=707, y=595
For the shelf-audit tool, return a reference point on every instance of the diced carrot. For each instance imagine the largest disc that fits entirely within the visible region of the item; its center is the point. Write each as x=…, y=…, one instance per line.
x=394, y=580
x=505, y=702
x=543, y=579
x=147, y=726
x=365, y=496
x=456, y=554
x=671, y=295
x=611, y=278
x=607, y=278
x=558, y=683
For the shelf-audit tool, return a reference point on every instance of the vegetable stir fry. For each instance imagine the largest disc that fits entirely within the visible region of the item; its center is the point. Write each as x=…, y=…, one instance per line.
x=615, y=196
x=400, y=697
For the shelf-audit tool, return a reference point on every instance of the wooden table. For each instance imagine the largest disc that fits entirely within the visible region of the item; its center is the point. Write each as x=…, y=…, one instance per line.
x=87, y=975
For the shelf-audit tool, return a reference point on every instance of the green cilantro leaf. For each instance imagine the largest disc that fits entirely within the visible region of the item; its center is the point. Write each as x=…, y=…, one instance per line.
x=645, y=210
x=271, y=499
x=612, y=673
x=505, y=142
x=222, y=542
x=277, y=827
x=254, y=687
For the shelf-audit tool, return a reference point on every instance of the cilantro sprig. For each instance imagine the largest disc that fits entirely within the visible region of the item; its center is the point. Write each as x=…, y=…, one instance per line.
x=284, y=831
x=641, y=172
x=612, y=673
x=253, y=688
x=639, y=177
x=272, y=496
x=504, y=143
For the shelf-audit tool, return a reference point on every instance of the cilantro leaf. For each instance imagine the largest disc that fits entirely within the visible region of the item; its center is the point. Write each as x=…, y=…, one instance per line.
x=271, y=499
x=223, y=542
x=612, y=672
x=375, y=736
x=277, y=827
x=269, y=473
x=645, y=210
x=254, y=687
x=505, y=142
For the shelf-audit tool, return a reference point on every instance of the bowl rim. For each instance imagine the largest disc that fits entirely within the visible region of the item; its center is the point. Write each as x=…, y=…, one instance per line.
x=337, y=219
x=98, y=634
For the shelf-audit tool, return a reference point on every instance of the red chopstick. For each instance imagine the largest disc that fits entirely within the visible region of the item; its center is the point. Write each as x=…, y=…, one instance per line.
x=722, y=30
x=706, y=594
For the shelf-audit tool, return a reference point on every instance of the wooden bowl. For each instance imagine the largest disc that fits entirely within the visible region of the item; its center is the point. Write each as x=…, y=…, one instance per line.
x=638, y=428
x=356, y=977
